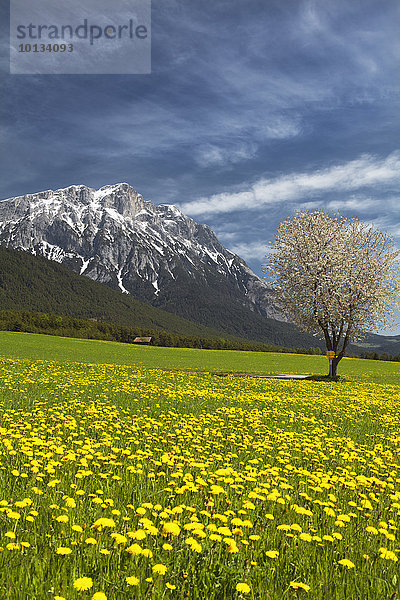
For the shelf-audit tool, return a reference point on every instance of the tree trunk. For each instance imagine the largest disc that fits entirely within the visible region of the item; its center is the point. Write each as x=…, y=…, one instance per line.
x=333, y=369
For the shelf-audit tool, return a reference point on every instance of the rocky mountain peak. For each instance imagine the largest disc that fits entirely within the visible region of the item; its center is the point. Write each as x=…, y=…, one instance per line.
x=153, y=252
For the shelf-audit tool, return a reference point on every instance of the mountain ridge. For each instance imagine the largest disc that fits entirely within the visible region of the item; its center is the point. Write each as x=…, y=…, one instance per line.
x=155, y=253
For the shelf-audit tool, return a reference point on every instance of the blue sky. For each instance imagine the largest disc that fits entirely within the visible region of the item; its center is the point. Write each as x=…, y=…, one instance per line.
x=253, y=109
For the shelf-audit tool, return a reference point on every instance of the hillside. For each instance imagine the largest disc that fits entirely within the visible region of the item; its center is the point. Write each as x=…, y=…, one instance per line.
x=34, y=283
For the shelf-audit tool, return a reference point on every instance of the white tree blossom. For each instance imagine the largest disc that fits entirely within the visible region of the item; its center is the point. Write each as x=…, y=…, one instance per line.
x=334, y=276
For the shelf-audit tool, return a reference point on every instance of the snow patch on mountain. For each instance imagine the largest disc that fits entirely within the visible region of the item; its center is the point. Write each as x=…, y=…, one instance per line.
x=113, y=236
x=120, y=284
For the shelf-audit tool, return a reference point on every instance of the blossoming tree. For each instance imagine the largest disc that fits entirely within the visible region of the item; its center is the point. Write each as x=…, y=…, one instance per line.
x=334, y=276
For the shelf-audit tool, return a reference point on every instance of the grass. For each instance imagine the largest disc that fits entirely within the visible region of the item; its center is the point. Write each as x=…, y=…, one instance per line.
x=43, y=347
x=123, y=481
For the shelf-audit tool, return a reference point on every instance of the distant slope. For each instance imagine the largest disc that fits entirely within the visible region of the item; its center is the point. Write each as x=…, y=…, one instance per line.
x=34, y=283
x=389, y=344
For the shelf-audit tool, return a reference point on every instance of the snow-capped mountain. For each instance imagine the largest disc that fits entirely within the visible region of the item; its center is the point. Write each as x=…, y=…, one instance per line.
x=155, y=253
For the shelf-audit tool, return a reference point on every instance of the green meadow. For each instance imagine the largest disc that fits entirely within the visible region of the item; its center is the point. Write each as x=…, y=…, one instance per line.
x=132, y=472
x=43, y=347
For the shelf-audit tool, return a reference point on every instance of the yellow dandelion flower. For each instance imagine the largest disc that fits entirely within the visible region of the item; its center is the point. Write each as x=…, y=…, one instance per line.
x=330, y=512
x=12, y=546
x=62, y=519
x=132, y=580
x=340, y=523
x=103, y=522
x=63, y=550
x=23, y=503
x=172, y=528
x=83, y=583
x=151, y=530
x=372, y=530
x=217, y=489
x=345, y=562
x=170, y=586
x=118, y=538
x=244, y=588
x=134, y=549
x=344, y=518
x=167, y=547
x=388, y=554
x=12, y=514
x=232, y=546
x=159, y=569
x=306, y=537
x=272, y=553
x=298, y=585
x=99, y=596
x=193, y=544
x=137, y=535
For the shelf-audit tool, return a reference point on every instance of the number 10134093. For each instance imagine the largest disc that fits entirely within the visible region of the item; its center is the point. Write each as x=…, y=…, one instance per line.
x=46, y=48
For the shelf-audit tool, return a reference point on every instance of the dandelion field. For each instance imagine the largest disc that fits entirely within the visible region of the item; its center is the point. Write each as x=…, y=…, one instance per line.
x=48, y=347
x=124, y=482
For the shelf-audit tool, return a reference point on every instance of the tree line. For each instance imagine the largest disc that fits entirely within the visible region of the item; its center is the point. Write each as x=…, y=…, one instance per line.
x=67, y=326
x=383, y=356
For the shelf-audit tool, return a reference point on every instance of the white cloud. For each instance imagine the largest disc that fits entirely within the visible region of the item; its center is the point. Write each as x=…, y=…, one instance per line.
x=360, y=203
x=366, y=172
x=250, y=250
x=279, y=129
x=211, y=155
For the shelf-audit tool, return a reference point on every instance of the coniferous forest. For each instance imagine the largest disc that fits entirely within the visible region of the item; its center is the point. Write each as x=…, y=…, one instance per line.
x=42, y=296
